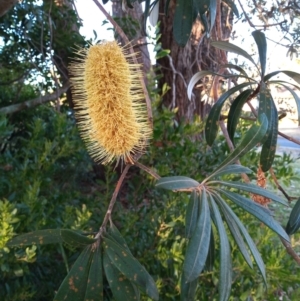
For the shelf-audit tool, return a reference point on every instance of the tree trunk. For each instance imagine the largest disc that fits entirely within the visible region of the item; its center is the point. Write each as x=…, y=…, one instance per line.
x=183, y=62
x=6, y=5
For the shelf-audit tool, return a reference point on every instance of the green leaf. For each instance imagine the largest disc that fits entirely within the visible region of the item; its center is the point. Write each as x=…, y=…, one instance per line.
x=198, y=245
x=210, y=259
x=232, y=5
x=294, y=220
x=294, y=75
x=212, y=123
x=212, y=12
x=265, y=105
x=261, y=43
x=184, y=18
x=235, y=112
x=176, y=183
x=94, y=288
x=74, y=285
x=251, y=244
x=42, y=237
x=232, y=169
x=252, y=137
x=225, y=255
x=232, y=48
x=75, y=239
x=130, y=267
x=258, y=211
x=115, y=235
x=268, y=150
x=191, y=215
x=201, y=6
x=121, y=287
x=238, y=68
x=252, y=188
x=187, y=289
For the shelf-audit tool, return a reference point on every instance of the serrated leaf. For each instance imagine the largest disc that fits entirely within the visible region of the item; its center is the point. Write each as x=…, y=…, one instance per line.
x=176, y=183
x=233, y=169
x=258, y=211
x=252, y=188
x=94, y=288
x=74, y=285
x=49, y=236
x=184, y=18
x=122, y=289
x=235, y=112
x=252, y=137
x=261, y=43
x=294, y=220
x=294, y=75
x=191, y=215
x=198, y=246
x=212, y=123
x=268, y=150
x=187, y=289
x=75, y=239
x=130, y=267
x=251, y=244
x=225, y=278
x=232, y=48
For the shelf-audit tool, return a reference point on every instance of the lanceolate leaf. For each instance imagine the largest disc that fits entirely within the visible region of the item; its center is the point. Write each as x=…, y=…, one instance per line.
x=233, y=169
x=258, y=211
x=265, y=100
x=235, y=112
x=212, y=12
x=191, y=215
x=294, y=220
x=75, y=239
x=294, y=75
x=232, y=5
x=201, y=6
x=130, y=267
x=251, y=244
x=122, y=289
x=268, y=150
x=187, y=289
x=232, y=48
x=212, y=123
x=238, y=68
x=225, y=258
x=210, y=259
x=252, y=188
x=115, y=235
x=94, y=288
x=261, y=43
x=74, y=285
x=253, y=136
x=176, y=183
x=184, y=18
x=198, y=245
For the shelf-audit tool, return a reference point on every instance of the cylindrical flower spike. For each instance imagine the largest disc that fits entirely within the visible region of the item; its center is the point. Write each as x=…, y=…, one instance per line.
x=107, y=95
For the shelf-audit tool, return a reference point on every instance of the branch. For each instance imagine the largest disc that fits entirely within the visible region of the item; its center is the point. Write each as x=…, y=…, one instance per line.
x=34, y=102
x=147, y=169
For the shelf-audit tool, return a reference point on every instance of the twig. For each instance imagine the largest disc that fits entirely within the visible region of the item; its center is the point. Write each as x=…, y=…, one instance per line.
x=290, y=250
x=147, y=169
x=289, y=138
x=127, y=42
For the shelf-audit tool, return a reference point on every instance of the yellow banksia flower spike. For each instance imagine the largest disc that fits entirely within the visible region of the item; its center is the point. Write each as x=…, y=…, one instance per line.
x=109, y=106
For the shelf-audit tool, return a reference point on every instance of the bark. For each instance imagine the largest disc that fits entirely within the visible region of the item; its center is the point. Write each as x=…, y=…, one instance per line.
x=184, y=62
x=6, y=5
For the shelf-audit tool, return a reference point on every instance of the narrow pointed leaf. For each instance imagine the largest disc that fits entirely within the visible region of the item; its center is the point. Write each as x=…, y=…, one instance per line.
x=261, y=43
x=233, y=169
x=122, y=289
x=188, y=289
x=268, y=150
x=294, y=220
x=235, y=112
x=238, y=68
x=176, y=183
x=130, y=267
x=252, y=188
x=258, y=211
x=232, y=5
x=252, y=137
x=201, y=6
x=294, y=75
x=115, y=235
x=75, y=239
x=191, y=215
x=225, y=278
x=232, y=48
x=198, y=245
x=210, y=259
x=94, y=288
x=265, y=106
x=250, y=242
x=212, y=12
x=184, y=18
x=74, y=285
x=212, y=123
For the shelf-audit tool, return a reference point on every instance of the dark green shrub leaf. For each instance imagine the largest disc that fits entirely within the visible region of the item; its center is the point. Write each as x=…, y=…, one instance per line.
x=121, y=287
x=176, y=183
x=75, y=239
x=130, y=267
x=294, y=75
x=258, y=211
x=210, y=259
x=73, y=287
x=261, y=43
x=198, y=246
x=212, y=123
x=233, y=169
x=201, y=6
x=212, y=12
x=115, y=235
x=265, y=106
x=294, y=219
x=191, y=215
x=187, y=289
x=225, y=255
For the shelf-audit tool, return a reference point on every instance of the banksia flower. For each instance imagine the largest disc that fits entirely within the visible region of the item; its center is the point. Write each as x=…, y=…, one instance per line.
x=108, y=96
